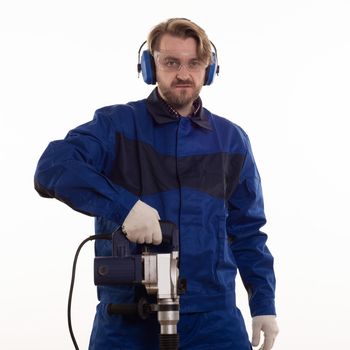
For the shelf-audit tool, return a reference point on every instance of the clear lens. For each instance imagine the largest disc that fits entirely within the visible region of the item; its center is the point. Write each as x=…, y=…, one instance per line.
x=172, y=63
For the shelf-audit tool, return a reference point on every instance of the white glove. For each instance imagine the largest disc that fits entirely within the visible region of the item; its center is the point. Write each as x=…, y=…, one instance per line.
x=267, y=324
x=142, y=224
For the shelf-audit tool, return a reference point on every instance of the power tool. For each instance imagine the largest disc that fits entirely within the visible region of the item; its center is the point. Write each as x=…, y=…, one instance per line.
x=158, y=272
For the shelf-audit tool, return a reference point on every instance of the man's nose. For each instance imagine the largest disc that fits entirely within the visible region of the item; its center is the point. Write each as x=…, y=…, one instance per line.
x=183, y=72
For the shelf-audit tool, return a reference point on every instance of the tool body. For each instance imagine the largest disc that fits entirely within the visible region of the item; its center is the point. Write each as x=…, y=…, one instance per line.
x=158, y=272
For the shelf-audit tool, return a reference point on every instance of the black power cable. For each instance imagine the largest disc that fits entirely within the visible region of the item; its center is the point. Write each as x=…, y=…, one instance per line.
x=91, y=238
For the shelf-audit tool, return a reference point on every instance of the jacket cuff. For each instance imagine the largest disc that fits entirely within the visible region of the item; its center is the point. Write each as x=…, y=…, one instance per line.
x=266, y=307
x=122, y=207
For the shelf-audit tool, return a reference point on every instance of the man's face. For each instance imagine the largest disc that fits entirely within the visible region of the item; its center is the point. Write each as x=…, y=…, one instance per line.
x=180, y=74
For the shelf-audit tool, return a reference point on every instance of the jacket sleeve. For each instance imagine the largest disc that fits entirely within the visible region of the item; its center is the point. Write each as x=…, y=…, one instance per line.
x=73, y=170
x=245, y=219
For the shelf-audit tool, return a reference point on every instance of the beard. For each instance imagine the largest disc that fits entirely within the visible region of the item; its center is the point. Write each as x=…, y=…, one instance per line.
x=183, y=97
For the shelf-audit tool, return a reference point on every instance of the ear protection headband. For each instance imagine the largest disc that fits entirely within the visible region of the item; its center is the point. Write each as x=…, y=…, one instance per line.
x=146, y=66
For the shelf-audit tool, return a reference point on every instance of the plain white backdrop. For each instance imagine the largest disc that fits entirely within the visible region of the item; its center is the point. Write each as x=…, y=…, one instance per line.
x=285, y=78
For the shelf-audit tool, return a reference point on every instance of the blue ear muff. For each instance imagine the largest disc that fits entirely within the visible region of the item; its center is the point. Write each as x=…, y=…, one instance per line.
x=148, y=68
x=212, y=69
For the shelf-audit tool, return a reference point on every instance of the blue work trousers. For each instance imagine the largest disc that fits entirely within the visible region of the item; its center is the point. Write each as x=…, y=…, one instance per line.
x=219, y=330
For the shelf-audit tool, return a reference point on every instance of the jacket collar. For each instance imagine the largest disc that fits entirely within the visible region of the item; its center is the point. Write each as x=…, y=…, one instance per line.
x=162, y=112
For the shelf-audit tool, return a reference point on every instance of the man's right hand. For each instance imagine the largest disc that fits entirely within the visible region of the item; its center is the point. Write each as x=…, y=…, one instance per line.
x=142, y=224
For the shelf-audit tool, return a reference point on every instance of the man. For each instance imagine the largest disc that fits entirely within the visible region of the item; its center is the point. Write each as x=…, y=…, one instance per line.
x=167, y=157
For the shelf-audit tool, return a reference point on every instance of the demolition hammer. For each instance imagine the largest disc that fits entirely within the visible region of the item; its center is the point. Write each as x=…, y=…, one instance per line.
x=157, y=271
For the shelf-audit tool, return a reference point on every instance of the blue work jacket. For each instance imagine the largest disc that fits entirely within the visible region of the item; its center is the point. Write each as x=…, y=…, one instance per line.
x=197, y=171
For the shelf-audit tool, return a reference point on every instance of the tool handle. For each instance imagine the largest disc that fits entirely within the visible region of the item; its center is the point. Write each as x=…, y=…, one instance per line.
x=122, y=309
x=170, y=234
x=170, y=238
x=142, y=308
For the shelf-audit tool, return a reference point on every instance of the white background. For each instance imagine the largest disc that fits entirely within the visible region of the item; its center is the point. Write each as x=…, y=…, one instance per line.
x=285, y=78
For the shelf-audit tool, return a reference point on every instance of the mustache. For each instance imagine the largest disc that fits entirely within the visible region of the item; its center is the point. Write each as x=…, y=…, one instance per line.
x=182, y=82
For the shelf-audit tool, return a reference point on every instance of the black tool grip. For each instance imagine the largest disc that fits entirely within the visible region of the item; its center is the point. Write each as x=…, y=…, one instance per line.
x=122, y=309
x=142, y=308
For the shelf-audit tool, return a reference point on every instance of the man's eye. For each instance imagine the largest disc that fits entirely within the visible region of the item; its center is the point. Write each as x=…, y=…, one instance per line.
x=194, y=64
x=171, y=63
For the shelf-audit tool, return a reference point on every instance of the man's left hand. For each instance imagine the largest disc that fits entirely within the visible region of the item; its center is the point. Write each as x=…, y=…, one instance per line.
x=268, y=325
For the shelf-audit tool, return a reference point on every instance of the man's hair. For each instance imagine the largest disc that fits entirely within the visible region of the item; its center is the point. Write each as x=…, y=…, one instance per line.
x=181, y=28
